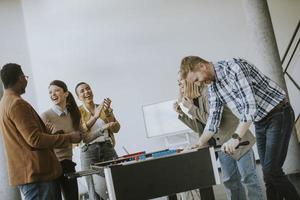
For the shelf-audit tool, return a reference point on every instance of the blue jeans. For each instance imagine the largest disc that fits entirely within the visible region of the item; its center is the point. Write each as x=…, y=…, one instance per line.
x=240, y=174
x=273, y=135
x=93, y=153
x=41, y=190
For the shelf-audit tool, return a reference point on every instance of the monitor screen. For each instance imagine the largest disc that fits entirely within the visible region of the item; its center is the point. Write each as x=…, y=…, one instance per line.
x=161, y=119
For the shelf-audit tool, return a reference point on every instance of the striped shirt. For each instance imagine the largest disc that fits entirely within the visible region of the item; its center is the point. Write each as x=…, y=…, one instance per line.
x=244, y=89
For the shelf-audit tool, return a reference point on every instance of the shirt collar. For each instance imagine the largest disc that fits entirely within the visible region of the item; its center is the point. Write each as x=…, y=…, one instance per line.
x=217, y=67
x=58, y=110
x=87, y=108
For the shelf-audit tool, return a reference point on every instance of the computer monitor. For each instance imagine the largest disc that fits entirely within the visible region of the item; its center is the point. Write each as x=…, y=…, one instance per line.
x=161, y=120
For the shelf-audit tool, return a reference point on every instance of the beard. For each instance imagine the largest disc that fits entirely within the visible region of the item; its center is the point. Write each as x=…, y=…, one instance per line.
x=209, y=78
x=23, y=89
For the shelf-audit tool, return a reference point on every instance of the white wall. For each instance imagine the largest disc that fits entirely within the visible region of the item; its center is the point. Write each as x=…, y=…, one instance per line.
x=128, y=50
x=13, y=48
x=13, y=41
x=131, y=50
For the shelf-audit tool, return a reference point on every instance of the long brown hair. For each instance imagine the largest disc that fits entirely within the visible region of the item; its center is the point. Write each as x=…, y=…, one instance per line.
x=71, y=104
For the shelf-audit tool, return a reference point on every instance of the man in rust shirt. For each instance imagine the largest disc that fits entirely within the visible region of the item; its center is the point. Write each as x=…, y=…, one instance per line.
x=32, y=164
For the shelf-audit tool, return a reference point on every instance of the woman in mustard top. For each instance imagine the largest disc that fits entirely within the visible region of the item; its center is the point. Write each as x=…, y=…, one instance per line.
x=95, y=116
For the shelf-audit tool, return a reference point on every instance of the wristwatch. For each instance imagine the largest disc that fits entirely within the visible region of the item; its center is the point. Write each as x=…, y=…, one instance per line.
x=236, y=136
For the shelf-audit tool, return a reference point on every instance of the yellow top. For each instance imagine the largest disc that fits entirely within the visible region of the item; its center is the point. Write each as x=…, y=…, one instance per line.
x=106, y=117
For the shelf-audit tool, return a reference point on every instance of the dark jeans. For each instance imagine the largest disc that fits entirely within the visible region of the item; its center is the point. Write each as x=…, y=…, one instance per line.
x=47, y=190
x=272, y=136
x=69, y=187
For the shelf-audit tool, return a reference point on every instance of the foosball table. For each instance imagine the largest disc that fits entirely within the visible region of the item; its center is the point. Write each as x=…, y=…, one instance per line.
x=144, y=175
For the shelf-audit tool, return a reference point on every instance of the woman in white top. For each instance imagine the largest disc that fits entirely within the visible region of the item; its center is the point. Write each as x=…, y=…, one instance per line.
x=63, y=117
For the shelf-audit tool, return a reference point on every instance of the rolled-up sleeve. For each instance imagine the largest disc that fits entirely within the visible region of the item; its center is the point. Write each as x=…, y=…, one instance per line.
x=116, y=127
x=215, y=112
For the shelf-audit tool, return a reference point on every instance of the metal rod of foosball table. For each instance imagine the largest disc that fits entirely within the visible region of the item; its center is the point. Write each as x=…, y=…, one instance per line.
x=82, y=173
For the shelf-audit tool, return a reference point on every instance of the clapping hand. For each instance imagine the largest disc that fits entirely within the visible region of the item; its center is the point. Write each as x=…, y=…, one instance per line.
x=106, y=104
x=98, y=110
x=109, y=125
x=177, y=108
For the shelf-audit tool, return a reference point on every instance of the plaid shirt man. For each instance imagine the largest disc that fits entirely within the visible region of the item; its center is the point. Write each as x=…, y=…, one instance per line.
x=244, y=89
